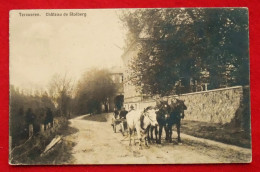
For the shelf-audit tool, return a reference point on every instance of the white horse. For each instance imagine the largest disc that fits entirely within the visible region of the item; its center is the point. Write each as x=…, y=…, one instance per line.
x=140, y=121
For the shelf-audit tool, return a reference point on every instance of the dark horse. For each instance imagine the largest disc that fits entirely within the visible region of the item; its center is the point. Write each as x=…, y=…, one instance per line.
x=167, y=116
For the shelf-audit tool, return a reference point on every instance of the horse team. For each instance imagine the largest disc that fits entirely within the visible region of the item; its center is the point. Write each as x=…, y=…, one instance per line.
x=162, y=116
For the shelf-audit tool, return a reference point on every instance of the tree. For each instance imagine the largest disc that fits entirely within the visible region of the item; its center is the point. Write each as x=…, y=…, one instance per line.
x=94, y=90
x=61, y=91
x=224, y=46
x=184, y=44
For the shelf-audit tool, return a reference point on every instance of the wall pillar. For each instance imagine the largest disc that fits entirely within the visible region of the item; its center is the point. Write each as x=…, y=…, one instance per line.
x=42, y=128
x=30, y=130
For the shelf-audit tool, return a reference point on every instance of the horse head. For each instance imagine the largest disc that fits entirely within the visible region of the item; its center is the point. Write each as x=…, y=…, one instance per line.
x=164, y=110
x=181, y=104
x=152, y=116
x=180, y=107
x=148, y=117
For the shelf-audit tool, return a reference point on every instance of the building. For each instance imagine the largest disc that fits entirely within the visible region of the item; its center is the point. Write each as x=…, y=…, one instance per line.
x=116, y=74
x=132, y=97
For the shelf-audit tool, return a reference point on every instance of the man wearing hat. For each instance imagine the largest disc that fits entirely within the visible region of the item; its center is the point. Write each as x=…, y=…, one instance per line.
x=131, y=108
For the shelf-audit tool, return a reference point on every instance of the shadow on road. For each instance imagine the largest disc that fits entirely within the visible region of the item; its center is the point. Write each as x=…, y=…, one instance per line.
x=218, y=132
x=96, y=117
x=68, y=130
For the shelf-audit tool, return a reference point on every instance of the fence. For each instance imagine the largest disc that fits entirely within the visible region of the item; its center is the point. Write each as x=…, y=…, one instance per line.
x=45, y=131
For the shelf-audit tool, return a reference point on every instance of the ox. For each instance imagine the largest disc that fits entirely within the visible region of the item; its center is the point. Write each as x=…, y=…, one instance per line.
x=167, y=116
x=140, y=121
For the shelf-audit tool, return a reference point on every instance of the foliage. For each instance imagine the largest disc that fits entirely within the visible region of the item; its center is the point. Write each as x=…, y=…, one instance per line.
x=27, y=109
x=94, y=90
x=206, y=45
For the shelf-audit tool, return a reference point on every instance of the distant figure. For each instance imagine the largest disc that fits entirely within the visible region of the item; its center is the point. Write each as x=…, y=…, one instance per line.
x=29, y=117
x=48, y=118
x=116, y=113
x=114, y=118
x=30, y=121
x=123, y=113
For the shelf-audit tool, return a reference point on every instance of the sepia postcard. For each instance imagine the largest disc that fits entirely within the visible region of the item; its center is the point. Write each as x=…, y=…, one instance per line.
x=129, y=86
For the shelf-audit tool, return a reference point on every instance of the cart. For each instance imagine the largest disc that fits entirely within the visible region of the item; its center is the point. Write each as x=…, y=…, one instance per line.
x=121, y=122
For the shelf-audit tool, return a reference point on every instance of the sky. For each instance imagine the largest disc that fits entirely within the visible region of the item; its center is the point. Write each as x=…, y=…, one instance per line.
x=41, y=46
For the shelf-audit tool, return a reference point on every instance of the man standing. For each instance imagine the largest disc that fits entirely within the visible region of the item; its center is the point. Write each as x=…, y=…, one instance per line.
x=122, y=115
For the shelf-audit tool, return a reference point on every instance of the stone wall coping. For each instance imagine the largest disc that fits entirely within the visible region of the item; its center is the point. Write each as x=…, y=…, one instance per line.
x=208, y=91
x=199, y=92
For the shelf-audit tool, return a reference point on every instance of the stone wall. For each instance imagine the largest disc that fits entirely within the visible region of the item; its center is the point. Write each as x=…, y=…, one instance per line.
x=216, y=106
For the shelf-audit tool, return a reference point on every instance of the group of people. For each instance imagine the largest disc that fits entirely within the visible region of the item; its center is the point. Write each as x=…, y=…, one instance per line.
x=119, y=117
x=157, y=118
x=120, y=114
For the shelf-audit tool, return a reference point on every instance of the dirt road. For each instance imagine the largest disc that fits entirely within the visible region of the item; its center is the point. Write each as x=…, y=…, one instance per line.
x=96, y=143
